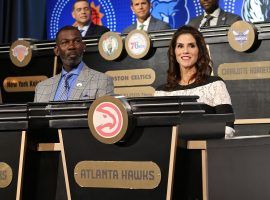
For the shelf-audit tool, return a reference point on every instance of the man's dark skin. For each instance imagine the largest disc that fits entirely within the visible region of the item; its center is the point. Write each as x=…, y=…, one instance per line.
x=209, y=5
x=70, y=48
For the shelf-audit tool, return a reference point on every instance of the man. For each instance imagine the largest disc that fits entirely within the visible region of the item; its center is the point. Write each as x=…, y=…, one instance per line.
x=81, y=12
x=76, y=81
x=213, y=15
x=145, y=21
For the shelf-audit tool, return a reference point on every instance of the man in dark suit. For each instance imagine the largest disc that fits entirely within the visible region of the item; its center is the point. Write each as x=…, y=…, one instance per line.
x=213, y=15
x=76, y=80
x=81, y=12
x=145, y=21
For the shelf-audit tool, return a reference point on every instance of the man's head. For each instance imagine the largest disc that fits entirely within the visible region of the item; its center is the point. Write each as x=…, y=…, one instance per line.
x=69, y=46
x=209, y=5
x=81, y=12
x=141, y=8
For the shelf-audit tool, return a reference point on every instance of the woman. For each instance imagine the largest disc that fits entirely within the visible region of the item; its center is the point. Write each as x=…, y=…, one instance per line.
x=189, y=74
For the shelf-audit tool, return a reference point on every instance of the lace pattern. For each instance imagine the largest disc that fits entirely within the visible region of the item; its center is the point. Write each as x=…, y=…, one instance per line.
x=212, y=94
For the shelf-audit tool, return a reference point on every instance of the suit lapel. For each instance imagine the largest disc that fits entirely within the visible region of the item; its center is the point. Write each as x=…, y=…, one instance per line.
x=54, y=86
x=90, y=30
x=84, y=77
x=152, y=24
x=221, y=18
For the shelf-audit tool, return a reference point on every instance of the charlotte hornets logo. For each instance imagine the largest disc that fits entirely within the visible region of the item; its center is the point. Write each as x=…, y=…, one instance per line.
x=241, y=37
x=256, y=10
x=170, y=11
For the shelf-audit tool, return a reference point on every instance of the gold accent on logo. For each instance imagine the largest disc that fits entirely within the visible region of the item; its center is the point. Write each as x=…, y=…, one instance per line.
x=5, y=175
x=137, y=44
x=110, y=46
x=143, y=91
x=245, y=70
x=22, y=84
x=117, y=174
x=242, y=36
x=108, y=119
x=132, y=77
x=20, y=53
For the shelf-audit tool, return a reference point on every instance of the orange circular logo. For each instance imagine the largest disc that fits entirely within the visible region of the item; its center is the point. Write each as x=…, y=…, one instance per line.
x=20, y=53
x=108, y=119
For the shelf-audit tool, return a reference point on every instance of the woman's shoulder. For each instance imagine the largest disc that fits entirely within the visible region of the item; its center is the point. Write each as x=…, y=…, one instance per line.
x=212, y=79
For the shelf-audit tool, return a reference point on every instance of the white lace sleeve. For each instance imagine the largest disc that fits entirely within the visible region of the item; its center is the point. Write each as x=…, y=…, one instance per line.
x=220, y=93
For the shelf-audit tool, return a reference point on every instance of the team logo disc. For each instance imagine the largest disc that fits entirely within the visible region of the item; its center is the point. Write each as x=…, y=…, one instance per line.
x=110, y=46
x=20, y=53
x=137, y=44
x=108, y=119
x=5, y=175
x=241, y=36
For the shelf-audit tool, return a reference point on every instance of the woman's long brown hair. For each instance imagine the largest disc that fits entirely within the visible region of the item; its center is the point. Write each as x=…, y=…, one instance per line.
x=202, y=65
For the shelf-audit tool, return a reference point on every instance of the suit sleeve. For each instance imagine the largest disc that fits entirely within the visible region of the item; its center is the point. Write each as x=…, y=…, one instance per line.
x=106, y=87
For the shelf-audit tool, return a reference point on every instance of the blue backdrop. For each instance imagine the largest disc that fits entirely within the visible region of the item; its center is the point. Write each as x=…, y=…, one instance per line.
x=116, y=14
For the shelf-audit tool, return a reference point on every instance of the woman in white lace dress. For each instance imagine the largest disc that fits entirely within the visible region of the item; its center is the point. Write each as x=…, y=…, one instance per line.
x=189, y=73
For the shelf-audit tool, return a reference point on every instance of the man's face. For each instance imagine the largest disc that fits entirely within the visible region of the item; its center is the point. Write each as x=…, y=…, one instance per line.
x=70, y=48
x=209, y=5
x=141, y=8
x=82, y=13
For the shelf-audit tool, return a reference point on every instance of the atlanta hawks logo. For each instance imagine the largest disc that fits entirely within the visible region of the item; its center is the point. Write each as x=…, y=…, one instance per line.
x=107, y=119
x=20, y=53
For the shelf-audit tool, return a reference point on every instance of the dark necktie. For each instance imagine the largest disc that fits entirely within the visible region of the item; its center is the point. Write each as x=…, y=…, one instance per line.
x=141, y=27
x=207, y=22
x=64, y=88
x=81, y=31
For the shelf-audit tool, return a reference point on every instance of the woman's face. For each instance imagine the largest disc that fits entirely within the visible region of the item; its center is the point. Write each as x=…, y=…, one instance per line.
x=186, y=51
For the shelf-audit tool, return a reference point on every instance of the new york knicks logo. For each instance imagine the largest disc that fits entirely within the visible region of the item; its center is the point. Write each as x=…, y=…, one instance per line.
x=107, y=119
x=20, y=53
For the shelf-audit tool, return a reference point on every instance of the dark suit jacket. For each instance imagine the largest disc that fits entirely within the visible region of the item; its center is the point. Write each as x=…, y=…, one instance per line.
x=154, y=25
x=90, y=84
x=224, y=18
x=96, y=30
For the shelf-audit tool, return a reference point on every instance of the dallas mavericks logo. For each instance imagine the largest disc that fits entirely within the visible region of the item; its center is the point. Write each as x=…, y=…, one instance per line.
x=256, y=10
x=174, y=12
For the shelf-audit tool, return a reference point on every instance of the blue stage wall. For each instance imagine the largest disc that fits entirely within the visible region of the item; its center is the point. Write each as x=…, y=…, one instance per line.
x=116, y=14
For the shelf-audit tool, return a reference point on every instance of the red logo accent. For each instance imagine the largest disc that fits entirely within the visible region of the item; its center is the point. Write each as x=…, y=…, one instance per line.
x=107, y=120
x=20, y=52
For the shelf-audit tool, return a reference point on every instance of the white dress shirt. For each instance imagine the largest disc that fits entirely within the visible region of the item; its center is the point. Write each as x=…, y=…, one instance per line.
x=145, y=24
x=213, y=22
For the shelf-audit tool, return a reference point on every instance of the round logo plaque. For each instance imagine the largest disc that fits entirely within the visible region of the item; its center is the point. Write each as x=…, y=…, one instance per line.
x=242, y=36
x=5, y=175
x=20, y=53
x=108, y=119
x=137, y=44
x=110, y=46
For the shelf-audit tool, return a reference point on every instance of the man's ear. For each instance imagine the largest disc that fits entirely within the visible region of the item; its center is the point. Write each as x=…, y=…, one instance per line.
x=84, y=46
x=73, y=15
x=131, y=7
x=56, y=51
